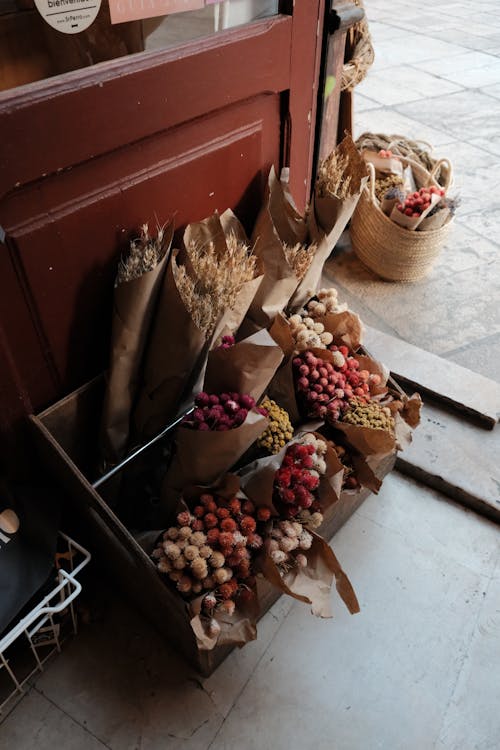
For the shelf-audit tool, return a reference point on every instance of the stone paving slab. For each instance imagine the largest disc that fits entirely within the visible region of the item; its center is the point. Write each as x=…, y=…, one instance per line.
x=467, y=391
x=453, y=456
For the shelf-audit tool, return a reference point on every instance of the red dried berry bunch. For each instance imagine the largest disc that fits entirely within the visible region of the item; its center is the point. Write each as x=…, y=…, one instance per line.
x=296, y=480
x=418, y=202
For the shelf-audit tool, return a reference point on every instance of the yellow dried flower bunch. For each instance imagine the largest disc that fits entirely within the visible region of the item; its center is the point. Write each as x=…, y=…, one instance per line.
x=144, y=254
x=332, y=180
x=299, y=258
x=279, y=430
x=370, y=414
x=219, y=280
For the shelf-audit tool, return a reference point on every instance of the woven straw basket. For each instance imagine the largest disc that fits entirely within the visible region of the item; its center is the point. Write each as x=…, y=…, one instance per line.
x=391, y=251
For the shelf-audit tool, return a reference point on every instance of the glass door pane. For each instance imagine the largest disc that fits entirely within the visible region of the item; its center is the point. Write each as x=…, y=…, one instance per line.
x=31, y=49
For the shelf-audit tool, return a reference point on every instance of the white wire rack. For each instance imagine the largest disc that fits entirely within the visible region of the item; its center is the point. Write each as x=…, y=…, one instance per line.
x=40, y=629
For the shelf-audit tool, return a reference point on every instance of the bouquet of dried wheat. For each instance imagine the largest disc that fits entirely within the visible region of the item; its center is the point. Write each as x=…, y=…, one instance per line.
x=208, y=287
x=140, y=273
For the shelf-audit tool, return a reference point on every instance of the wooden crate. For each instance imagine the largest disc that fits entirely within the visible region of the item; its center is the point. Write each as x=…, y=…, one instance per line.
x=66, y=438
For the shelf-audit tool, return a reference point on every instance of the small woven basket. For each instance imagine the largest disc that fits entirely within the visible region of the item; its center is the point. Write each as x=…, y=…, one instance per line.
x=391, y=251
x=359, y=44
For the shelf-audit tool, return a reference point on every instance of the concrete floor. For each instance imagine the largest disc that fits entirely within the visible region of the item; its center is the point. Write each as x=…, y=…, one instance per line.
x=418, y=668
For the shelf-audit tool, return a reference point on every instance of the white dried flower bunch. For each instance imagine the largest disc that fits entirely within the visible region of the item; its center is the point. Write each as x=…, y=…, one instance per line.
x=299, y=257
x=189, y=561
x=219, y=280
x=287, y=543
x=332, y=179
x=144, y=254
x=306, y=327
x=320, y=449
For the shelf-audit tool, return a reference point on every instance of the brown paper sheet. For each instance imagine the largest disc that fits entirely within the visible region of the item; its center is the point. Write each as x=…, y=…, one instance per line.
x=202, y=457
x=410, y=222
x=217, y=229
x=235, y=630
x=277, y=224
x=330, y=214
x=173, y=353
x=247, y=367
x=346, y=328
x=257, y=478
x=313, y=583
x=133, y=309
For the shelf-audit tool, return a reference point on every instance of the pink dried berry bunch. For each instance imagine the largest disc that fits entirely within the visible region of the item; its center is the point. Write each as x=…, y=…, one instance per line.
x=324, y=388
x=219, y=412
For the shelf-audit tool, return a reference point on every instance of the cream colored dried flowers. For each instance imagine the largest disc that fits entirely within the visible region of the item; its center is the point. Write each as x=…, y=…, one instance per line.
x=286, y=544
x=332, y=178
x=216, y=282
x=299, y=258
x=144, y=254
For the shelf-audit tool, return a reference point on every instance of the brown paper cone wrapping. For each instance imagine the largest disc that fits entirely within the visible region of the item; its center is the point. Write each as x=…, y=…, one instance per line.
x=173, y=353
x=410, y=222
x=257, y=479
x=133, y=308
x=277, y=224
x=309, y=285
x=313, y=583
x=202, y=457
x=331, y=214
x=372, y=447
x=247, y=367
x=236, y=630
x=346, y=328
x=436, y=221
x=217, y=229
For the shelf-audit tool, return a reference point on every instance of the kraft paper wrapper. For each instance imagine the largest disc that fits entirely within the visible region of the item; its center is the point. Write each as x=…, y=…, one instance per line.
x=247, y=367
x=236, y=630
x=216, y=229
x=257, y=479
x=436, y=221
x=384, y=164
x=277, y=224
x=309, y=285
x=410, y=222
x=330, y=214
x=133, y=308
x=346, y=328
x=373, y=446
x=313, y=583
x=203, y=456
x=173, y=353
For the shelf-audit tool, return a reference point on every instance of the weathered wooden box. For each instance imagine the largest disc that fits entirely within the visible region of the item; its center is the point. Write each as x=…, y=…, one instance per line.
x=66, y=437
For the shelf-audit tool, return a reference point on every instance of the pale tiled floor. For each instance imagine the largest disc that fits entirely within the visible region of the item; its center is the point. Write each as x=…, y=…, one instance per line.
x=418, y=668
x=436, y=77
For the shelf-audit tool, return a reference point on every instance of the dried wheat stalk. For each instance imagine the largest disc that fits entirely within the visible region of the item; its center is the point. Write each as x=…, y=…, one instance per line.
x=144, y=254
x=299, y=258
x=218, y=282
x=332, y=177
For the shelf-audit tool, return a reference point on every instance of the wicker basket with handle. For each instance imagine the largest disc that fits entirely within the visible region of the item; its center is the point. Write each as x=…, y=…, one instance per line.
x=391, y=251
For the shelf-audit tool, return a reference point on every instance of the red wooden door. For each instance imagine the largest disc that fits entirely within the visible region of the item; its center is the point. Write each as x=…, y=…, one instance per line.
x=88, y=156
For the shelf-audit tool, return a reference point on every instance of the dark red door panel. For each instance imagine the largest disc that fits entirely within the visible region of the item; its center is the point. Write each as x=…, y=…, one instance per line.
x=87, y=157
x=69, y=253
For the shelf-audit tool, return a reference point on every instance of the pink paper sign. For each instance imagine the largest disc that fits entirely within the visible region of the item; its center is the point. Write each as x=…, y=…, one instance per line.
x=133, y=10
